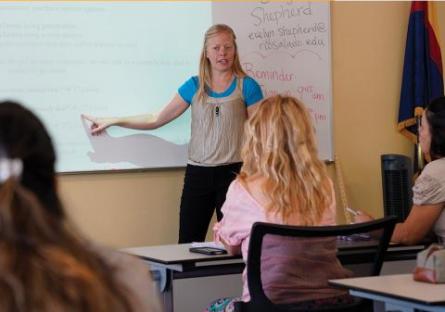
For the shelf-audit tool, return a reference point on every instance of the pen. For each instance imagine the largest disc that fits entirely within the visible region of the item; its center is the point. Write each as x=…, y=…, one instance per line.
x=352, y=211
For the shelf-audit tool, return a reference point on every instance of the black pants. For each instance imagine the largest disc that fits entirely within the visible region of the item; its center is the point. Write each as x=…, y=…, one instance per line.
x=204, y=191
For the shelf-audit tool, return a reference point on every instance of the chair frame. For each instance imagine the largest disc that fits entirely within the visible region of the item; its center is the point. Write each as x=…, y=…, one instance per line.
x=259, y=300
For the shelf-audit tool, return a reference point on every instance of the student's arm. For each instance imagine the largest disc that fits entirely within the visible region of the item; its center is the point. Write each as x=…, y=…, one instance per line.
x=143, y=122
x=416, y=226
x=233, y=250
x=419, y=222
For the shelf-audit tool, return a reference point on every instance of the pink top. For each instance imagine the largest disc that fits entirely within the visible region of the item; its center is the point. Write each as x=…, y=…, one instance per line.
x=240, y=211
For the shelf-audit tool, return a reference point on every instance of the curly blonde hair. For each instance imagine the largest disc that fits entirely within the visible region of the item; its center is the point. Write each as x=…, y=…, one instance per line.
x=280, y=148
x=205, y=70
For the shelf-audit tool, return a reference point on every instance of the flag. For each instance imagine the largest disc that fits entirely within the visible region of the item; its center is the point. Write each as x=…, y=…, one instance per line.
x=422, y=70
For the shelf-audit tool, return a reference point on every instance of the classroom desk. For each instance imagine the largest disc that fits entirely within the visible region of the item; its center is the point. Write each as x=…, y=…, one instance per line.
x=171, y=262
x=398, y=290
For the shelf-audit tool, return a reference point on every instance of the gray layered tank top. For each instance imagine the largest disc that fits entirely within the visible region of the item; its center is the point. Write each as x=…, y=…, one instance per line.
x=217, y=129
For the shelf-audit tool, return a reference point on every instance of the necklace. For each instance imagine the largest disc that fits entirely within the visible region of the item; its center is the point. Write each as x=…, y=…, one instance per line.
x=224, y=88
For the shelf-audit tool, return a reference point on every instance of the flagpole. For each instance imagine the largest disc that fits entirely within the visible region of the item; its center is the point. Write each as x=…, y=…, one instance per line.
x=419, y=161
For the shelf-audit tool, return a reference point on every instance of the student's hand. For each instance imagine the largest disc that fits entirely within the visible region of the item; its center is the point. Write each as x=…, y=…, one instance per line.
x=216, y=227
x=232, y=250
x=362, y=217
x=98, y=125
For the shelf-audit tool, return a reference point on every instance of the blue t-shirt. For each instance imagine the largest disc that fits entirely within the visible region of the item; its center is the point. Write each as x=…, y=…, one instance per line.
x=251, y=90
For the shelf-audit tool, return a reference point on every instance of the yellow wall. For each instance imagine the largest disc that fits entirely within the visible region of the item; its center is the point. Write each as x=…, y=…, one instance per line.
x=368, y=42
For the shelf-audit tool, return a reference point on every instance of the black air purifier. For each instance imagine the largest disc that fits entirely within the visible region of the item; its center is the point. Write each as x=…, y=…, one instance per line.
x=397, y=176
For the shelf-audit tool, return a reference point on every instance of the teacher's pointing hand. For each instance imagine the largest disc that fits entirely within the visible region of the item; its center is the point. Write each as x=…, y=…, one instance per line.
x=98, y=125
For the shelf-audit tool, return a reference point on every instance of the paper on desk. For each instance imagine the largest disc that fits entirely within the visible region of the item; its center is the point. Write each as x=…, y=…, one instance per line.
x=208, y=244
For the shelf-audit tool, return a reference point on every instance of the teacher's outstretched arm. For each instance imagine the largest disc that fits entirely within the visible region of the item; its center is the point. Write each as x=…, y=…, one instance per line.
x=171, y=111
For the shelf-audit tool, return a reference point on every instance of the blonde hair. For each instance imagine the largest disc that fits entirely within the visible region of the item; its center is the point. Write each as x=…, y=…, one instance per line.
x=280, y=147
x=205, y=70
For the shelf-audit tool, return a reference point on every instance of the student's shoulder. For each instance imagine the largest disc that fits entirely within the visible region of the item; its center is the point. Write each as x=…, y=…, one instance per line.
x=435, y=168
x=234, y=186
x=237, y=191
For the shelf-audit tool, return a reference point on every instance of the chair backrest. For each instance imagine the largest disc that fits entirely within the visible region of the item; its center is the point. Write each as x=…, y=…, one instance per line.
x=290, y=264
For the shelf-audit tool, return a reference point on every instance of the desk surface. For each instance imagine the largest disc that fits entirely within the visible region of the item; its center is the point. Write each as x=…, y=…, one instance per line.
x=174, y=254
x=180, y=254
x=401, y=286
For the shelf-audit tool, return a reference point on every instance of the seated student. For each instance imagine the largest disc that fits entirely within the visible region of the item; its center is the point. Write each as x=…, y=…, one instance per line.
x=45, y=264
x=427, y=212
x=281, y=181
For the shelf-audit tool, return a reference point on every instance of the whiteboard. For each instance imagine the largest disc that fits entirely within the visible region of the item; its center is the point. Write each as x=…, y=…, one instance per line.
x=286, y=47
x=62, y=59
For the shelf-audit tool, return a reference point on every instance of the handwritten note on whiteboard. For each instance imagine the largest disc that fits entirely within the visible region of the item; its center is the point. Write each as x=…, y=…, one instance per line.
x=286, y=47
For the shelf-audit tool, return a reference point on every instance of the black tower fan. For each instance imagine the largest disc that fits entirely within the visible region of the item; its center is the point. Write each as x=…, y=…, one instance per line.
x=397, y=175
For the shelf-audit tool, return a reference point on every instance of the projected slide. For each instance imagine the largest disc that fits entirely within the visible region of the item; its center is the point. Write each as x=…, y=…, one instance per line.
x=63, y=59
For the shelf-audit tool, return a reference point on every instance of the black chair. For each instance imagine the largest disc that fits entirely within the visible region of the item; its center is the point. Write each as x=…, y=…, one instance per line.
x=357, y=248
